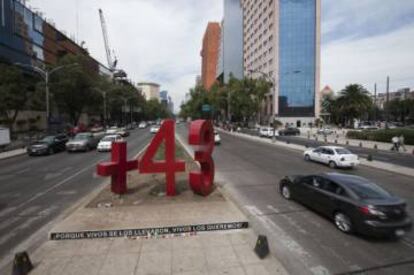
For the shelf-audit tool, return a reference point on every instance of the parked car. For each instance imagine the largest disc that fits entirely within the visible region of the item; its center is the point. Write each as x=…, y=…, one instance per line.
x=112, y=130
x=266, y=132
x=4, y=136
x=105, y=144
x=290, y=131
x=48, y=145
x=354, y=203
x=325, y=131
x=143, y=125
x=334, y=156
x=83, y=142
x=154, y=129
x=217, y=138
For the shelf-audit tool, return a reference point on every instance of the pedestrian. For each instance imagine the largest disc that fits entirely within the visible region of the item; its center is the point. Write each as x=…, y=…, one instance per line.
x=402, y=144
x=395, y=143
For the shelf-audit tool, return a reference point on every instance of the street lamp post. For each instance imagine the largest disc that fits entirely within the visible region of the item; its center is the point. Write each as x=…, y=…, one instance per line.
x=45, y=74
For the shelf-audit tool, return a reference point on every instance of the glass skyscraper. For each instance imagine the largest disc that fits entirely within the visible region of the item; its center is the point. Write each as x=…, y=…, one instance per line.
x=281, y=41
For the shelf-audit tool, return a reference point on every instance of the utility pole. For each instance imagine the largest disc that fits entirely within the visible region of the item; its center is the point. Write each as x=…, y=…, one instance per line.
x=387, y=103
x=375, y=102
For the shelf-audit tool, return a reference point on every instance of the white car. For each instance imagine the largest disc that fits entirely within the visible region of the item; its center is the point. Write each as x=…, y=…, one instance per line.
x=154, y=129
x=325, y=131
x=112, y=131
x=105, y=145
x=334, y=156
x=266, y=132
x=142, y=125
x=217, y=139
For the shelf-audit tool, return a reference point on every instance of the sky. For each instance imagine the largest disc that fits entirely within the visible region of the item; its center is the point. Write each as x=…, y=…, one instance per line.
x=363, y=41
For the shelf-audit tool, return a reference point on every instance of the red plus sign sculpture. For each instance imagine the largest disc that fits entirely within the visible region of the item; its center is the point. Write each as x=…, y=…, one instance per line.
x=118, y=167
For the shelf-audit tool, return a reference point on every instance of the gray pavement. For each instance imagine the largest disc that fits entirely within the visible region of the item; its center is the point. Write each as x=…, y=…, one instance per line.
x=305, y=242
x=36, y=190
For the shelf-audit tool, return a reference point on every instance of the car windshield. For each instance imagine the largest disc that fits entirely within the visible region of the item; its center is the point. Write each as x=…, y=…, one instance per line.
x=112, y=138
x=48, y=139
x=342, y=151
x=367, y=190
x=81, y=137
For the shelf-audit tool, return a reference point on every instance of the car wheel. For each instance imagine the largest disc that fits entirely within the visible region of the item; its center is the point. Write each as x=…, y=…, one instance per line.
x=285, y=191
x=307, y=158
x=332, y=164
x=50, y=151
x=343, y=222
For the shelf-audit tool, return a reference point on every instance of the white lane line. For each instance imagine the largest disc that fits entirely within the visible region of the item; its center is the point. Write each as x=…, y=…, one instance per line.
x=7, y=237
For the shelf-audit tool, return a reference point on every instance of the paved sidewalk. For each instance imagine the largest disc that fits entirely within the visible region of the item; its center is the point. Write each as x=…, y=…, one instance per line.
x=146, y=206
x=12, y=153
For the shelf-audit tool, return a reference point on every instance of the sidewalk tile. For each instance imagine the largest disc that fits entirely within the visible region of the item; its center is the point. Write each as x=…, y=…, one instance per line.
x=124, y=264
x=125, y=245
x=240, y=238
x=49, y=266
x=154, y=263
x=246, y=254
x=95, y=247
x=193, y=272
x=185, y=243
x=227, y=271
x=79, y=265
x=154, y=245
x=221, y=257
x=215, y=239
x=188, y=260
x=258, y=269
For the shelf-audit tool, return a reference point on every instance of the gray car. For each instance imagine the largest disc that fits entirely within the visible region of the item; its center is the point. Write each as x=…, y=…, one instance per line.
x=82, y=142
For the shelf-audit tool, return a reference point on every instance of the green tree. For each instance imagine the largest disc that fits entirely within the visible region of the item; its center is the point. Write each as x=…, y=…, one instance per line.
x=15, y=92
x=72, y=87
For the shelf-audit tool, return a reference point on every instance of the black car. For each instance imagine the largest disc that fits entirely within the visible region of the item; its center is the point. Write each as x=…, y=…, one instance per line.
x=290, y=131
x=354, y=203
x=48, y=145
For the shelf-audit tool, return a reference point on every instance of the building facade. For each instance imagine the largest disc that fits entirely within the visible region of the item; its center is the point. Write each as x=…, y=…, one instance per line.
x=149, y=90
x=282, y=43
x=26, y=38
x=380, y=100
x=209, y=54
x=230, y=59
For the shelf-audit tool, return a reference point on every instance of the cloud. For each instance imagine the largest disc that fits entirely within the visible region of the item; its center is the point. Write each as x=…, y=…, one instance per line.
x=154, y=40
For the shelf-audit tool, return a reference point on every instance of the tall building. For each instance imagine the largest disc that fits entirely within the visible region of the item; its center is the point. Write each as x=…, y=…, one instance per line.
x=282, y=42
x=209, y=54
x=26, y=38
x=149, y=90
x=230, y=59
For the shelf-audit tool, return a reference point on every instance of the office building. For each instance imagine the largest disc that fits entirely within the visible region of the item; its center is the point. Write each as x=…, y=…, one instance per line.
x=209, y=54
x=149, y=90
x=282, y=44
x=230, y=58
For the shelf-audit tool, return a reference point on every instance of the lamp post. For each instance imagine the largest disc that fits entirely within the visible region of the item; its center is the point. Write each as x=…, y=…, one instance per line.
x=45, y=74
x=103, y=93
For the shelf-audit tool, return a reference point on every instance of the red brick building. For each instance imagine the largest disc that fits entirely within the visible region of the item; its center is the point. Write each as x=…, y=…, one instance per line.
x=209, y=54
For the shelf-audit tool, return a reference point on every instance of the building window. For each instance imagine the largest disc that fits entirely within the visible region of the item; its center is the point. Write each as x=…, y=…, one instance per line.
x=38, y=24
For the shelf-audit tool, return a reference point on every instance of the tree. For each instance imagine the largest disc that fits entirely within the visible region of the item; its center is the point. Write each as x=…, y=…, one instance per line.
x=353, y=102
x=72, y=87
x=15, y=92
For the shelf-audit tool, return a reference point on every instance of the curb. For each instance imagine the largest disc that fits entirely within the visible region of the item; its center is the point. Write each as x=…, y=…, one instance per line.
x=372, y=164
x=13, y=153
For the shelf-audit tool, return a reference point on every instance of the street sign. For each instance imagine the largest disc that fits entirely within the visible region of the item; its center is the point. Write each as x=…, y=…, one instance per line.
x=206, y=108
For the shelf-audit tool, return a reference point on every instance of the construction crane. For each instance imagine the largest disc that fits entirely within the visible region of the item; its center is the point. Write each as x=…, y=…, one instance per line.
x=111, y=62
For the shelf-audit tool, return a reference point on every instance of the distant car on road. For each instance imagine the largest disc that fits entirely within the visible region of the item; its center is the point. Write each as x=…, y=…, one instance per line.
x=83, y=142
x=325, y=131
x=154, y=129
x=290, y=131
x=105, y=144
x=334, y=156
x=266, y=132
x=354, y=203
x=217, y=138
x=112, y=130
x=143, y=125
x=48, y=145
x=123, y=132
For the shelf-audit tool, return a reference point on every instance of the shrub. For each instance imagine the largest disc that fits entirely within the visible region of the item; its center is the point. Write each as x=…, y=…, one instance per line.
x=383, y=135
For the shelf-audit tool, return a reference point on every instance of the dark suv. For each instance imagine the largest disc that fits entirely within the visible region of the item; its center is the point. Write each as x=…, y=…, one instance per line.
x=290, y=131
x=48, y=145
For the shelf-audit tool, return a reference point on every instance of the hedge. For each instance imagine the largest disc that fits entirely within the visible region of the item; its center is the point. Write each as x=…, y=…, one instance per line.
x=383, y=135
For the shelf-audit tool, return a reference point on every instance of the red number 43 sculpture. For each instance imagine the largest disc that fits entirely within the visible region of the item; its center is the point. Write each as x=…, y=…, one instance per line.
x=201, y=136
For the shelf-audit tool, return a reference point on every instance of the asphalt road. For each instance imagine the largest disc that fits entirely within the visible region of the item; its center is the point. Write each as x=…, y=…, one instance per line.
x=305, y=242
x=401, y=159
x=36, y=190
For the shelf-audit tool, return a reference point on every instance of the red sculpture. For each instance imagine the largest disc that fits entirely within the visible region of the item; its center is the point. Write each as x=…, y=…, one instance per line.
x=201, y=134
x=118, y=167
x=169, y=166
